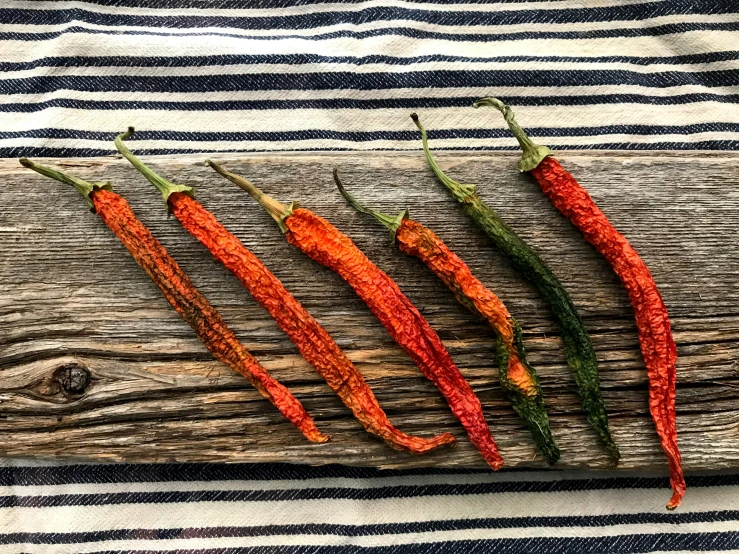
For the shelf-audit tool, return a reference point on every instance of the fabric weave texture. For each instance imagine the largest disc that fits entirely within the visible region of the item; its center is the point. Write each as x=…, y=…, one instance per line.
x=280, y=75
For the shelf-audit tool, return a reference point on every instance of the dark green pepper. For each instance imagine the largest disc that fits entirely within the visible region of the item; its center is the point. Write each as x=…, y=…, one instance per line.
x=578, y=348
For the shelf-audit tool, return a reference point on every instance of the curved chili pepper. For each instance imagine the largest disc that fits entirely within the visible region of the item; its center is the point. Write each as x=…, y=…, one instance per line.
x=183, y=296
x=517, y=378
x=312, y=340
x=578, y=348
x=657, y=344
x=328, y=246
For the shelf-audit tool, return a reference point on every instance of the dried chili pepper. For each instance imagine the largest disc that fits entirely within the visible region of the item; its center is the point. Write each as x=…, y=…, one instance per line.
x=312, y=340
x=578, y=348
x=517, y=378
x=183, y=296
x=657, y=344
x=328, y=246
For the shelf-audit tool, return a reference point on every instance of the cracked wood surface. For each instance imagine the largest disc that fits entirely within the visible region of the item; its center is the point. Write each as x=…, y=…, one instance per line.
x=73, y=301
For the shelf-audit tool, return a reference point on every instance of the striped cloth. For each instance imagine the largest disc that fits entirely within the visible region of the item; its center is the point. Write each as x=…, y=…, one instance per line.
x=227, y=75
x=215, y=76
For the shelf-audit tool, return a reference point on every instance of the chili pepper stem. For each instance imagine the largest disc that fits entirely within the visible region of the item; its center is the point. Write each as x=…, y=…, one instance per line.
x=277, y=210
x=655, y=336
x=459, y=191
x=578, y=347
x=163, y=186
x=532, y=153
x=389, y=221
x=85, y=188
x=182, y=295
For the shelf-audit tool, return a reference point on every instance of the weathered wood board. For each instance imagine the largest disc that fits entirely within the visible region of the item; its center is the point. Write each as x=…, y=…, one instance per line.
x=71, y=296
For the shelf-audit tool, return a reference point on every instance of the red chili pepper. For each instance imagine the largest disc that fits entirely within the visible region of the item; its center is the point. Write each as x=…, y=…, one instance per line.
x=657, y=344
x=328, y=246
x=517, y=378
x=312, y=340
x=183, y=296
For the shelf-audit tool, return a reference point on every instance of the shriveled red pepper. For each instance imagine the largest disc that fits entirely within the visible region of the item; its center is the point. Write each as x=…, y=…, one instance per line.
x=183, y=296
x=655, y=337
x=328, y=246
x=517, y=378
x=312, y=340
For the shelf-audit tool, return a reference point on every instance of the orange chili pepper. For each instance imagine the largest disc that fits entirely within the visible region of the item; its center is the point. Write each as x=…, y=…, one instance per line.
x=328, y=246
x=183, y=296
x=312, y=340
x=657, y=344
x=517, y=378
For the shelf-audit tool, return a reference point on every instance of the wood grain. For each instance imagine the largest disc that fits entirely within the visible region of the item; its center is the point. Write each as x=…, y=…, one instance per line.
x=73, y=304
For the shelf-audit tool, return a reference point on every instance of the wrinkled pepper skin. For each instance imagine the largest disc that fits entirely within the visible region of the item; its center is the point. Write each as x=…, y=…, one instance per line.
x=325, y=244
x=328, y=246
x=196, y=310
x=187, y=300
x=518, y=379
x=313, y=342
x=578, y=347
x=655, y=337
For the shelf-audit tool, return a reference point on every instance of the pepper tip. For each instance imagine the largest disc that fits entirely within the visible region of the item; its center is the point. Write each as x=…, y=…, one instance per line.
x=676, y=500
x=25, y=162
x=414, y=117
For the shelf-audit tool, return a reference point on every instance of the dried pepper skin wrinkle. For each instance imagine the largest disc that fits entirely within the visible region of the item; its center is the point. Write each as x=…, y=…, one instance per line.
x=312, y=340
x=578, y=347
x=323, y=243
x=655, y=337
x=518, y=379
x=328, y=246
x=184, y=297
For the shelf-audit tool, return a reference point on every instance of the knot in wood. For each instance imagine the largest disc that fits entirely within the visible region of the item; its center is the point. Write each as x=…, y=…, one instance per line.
x=72, y=378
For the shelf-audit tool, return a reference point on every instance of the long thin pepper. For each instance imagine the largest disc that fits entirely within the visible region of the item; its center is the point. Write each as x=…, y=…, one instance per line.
x=517, y=378
x=312, y=340
x=578, y=348
x=183, y=296
x=328, y=246
x=655, y=337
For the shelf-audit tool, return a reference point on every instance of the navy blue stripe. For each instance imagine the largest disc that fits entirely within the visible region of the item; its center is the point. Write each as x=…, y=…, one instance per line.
x=149, y=473
x=334, y=493
x=658, y=30
x=52, y=152
x=371, y=104
x=541, y=545
x=314, y=20
x=301, y=59
x=366, y=81
x=361, y=136
x=369, y=530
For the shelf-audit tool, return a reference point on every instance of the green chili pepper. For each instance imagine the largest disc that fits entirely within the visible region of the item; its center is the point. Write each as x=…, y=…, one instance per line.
x=578, y=348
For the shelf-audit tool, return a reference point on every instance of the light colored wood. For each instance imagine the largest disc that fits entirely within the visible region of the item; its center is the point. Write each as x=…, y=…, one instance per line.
x=71, y=297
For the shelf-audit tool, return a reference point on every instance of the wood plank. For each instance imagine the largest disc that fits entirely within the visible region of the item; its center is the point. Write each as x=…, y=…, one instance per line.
x=73, y=303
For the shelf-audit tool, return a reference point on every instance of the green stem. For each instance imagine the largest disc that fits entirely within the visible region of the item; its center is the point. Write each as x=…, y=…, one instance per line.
x=533, y=153
x=162, y=185
x=459, y=191
x=85, y=188
x=279, y=211
x=389, y=221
